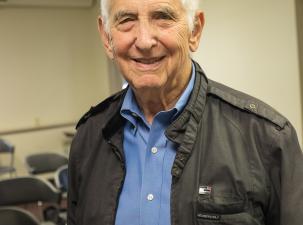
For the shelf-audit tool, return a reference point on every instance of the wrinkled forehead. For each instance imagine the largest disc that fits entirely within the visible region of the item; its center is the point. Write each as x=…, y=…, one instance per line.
x=139, y=5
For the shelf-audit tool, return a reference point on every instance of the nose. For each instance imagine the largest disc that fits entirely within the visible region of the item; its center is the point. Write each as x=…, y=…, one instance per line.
x=146, y=37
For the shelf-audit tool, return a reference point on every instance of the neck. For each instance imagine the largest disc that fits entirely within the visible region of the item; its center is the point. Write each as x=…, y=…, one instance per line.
x=151, y=101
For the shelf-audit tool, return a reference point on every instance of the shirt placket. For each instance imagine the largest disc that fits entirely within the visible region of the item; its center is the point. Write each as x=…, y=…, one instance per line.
x=152, y=176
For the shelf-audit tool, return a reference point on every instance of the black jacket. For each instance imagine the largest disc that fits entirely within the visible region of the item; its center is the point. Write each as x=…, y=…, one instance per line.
x=238, y=162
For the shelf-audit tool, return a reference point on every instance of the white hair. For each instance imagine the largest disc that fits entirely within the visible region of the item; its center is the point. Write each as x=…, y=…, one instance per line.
x=190, y=6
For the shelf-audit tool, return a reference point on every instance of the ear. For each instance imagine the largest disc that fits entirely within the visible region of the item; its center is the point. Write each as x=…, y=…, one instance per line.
x=105, y=38
x=196, y=33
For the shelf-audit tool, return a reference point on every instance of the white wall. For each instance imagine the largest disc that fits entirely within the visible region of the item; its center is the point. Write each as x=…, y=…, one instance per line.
x=50, y=65
x=52, y=69
x=252, y=46
x=299, y=11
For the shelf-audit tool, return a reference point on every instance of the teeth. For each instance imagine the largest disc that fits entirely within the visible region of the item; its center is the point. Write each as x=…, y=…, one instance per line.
x=148, y=61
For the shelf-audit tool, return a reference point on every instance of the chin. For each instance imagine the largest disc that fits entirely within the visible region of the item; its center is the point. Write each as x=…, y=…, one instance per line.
x=148, y=82
x=147, y=86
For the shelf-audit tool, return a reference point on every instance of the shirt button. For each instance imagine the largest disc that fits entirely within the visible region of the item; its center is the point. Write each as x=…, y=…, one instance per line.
x=150, y=197
x=154, y=150
x=134, y=114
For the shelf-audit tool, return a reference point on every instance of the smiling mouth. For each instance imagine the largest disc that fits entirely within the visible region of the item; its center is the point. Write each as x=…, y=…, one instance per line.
x=148, y=61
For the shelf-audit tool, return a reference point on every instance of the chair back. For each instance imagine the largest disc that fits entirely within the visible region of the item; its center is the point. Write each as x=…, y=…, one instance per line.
x=22, y=190
x=61, y=178
x=16, y=216
x=8, y=149
x=45, y=162
x=6, y=146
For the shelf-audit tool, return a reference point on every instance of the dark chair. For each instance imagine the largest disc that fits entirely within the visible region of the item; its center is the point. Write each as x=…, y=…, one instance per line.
x=30, y=193
x=7, y=149
x=45, y=162
x=61, y=179
x=16, y=216
x=21, y=190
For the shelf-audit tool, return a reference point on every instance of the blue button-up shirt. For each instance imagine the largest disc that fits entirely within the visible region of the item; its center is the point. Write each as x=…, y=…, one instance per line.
x=149, y=156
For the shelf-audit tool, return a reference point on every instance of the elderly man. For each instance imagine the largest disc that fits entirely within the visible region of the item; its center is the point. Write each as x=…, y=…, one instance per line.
x=176, y=148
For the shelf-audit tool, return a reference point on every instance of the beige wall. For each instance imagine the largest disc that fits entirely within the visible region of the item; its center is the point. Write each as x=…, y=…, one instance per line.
x=252, y=46
x=299, y=6
x=52, y=66
x=52, y=69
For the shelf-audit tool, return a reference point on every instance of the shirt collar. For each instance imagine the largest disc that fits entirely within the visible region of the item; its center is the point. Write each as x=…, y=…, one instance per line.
x=131, y=111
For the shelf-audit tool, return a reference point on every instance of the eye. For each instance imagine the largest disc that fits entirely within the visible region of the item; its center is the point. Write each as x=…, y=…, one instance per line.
x=126, y=23
x=125, y=20
x=162, y=16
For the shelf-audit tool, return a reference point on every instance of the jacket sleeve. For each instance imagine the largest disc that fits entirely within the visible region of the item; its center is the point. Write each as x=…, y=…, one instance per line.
x=73, y=184
x=287, y=179
x=291, y=179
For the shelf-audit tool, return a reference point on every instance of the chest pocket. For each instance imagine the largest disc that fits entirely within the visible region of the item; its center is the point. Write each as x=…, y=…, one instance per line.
x=222, y=210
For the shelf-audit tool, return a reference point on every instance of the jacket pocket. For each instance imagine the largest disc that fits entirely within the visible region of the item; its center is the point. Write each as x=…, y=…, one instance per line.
x=243, y=218
x=222, y=210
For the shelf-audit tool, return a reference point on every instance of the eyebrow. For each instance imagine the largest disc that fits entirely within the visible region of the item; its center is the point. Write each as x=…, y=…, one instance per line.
x=163, y=10
x=167, y=11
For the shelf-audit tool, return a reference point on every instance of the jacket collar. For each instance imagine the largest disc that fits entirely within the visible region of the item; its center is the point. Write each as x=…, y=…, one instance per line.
x=194, y=107
x=182, y=131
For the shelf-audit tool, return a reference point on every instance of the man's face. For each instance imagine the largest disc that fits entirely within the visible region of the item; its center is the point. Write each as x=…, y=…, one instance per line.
x=150, y=41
